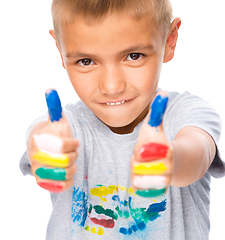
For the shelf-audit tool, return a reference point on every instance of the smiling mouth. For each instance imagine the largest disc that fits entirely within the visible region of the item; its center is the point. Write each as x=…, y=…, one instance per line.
x=116, y=103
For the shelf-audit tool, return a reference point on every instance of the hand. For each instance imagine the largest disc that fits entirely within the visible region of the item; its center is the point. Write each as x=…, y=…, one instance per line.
x=52, y=150
x=151, y=163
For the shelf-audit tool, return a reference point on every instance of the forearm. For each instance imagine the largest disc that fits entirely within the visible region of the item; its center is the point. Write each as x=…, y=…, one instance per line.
x=193, y=153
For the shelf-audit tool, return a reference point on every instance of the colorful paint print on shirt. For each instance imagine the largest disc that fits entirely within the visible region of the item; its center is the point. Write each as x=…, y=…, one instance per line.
x=101, y=211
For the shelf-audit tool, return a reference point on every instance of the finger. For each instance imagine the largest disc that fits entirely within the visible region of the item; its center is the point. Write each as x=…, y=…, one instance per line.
x=70, y=145
x=55, y=160
x=55, y=186
x=51, y=143
x=54, y=105
x=151, y=151
x=158, y=109
x=158, y=167
x=48, y=142
x=59, y=174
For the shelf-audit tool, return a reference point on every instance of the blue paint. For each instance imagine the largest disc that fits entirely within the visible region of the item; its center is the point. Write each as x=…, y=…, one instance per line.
x=123, y=231
x=158, y=109
x=134, y=228
x=153, y=211
x=79, y=209
x=124, y=203
x=157, y=207
x=141, y=225
x=115, y=198
x=54, y=105
x=129, y=231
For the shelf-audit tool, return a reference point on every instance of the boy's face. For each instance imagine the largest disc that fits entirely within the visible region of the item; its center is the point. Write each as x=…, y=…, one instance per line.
x=114, y=67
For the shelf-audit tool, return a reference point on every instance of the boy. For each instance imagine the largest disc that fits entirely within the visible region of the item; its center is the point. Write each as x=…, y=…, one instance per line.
x=123, y=178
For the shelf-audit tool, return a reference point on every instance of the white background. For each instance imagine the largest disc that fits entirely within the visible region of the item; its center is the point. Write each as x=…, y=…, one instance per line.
x=30, y=64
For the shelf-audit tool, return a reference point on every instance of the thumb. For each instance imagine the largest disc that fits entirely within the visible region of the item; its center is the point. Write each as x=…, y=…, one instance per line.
x=58, y=121
x=54, y=105
x=152, y=129
x=158, y=109
x=152, y=141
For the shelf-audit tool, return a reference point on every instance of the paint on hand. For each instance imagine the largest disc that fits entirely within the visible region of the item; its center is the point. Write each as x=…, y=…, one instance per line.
x=53, y=174
x=150, y=168
x=157, y=110
x=151, y=193
x=48, y=142
x=153, y=151
x=149, y=182
x=51, y=186
x=54, y=160
x=54, y=105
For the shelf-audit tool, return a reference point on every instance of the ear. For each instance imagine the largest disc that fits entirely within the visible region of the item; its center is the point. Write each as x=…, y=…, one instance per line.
x=172, y=40
x=52, y=33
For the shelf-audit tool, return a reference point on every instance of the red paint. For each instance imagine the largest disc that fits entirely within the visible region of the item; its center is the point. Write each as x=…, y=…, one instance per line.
x=51, y=186
x=109, y=223
x=153, y=151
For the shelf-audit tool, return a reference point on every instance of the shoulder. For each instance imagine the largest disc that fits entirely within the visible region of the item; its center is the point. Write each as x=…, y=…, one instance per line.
x=186, y=109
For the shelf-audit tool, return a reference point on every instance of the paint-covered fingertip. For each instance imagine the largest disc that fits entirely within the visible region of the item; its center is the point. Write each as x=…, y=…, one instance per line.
x=54, y=105
x=158, y=108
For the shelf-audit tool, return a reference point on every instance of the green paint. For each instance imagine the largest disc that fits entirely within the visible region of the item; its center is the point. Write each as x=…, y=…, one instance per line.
x=150, y=193
x=136, y=213
x=122, y=214
x=107, y=212
x=51, y=173
x=90, y=208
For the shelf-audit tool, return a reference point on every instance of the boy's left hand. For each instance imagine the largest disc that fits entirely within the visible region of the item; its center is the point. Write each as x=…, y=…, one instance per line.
x=152, y=161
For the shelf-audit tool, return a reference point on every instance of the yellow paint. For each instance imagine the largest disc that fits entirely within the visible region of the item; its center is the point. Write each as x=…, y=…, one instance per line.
x=100, y=231
x=103, y=191
x=87, y=228
x=93, y=230
x=121, y=188
x=56, y=160
x=150, y=168
x=130, y=190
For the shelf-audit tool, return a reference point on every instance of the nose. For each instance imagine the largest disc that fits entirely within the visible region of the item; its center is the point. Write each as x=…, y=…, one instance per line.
x=112, y=81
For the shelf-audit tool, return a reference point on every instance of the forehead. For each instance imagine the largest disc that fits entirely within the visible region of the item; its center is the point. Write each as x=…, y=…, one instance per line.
x=112, y=32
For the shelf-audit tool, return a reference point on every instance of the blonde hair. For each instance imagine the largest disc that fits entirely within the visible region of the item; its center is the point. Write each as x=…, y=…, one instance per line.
x=93, y=11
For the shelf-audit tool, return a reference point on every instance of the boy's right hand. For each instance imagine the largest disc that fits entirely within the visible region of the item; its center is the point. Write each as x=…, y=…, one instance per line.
x=52, y=150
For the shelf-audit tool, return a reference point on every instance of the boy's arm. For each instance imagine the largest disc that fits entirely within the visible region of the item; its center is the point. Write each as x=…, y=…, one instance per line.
x=158, y=162
x=193, y=153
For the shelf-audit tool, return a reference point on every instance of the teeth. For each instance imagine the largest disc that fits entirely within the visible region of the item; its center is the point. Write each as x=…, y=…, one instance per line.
x=117, y=103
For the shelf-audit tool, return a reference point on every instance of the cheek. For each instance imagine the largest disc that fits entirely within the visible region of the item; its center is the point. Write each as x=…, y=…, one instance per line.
x=144, y=79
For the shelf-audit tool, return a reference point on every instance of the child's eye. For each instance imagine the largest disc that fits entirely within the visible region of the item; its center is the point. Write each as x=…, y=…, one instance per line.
x=134, y=56
x=85, y=62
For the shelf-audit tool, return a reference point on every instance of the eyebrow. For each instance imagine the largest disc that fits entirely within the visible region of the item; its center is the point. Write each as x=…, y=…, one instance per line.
x=124, y=52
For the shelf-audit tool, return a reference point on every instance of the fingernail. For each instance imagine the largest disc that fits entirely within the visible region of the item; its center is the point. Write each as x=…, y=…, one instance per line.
x=152, y=151
x=53, y=174
x=149, y=182
x=151, y=168
x=51, y=186
x=48, y=142
x=53, y=160
x=158, y=108
x=150, y=193
x=54, y=105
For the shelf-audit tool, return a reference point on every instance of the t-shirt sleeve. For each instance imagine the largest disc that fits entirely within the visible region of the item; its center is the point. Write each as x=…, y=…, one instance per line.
x=189, y=110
